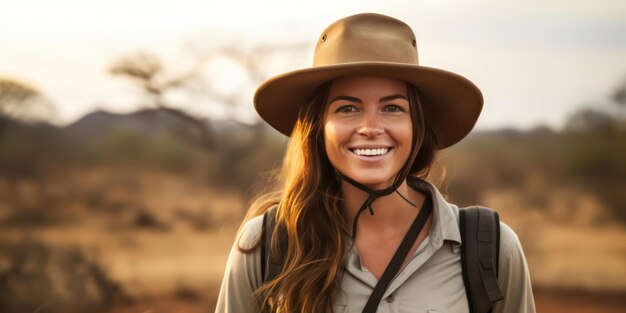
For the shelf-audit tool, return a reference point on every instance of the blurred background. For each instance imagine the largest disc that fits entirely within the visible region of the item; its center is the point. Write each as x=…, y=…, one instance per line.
x=129, y=148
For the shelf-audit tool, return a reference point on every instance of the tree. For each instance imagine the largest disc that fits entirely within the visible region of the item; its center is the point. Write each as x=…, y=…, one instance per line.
x=589, y=120
x=255, y=60
x=619, y=95
x=19, y=101
x=147, y=70
x=152, y=76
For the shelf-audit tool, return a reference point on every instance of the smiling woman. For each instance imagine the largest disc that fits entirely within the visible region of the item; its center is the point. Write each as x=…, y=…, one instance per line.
x=367, y=128
x=365, y=123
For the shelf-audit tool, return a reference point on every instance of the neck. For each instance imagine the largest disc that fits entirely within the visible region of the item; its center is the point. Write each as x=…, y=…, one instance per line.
x=390, y=212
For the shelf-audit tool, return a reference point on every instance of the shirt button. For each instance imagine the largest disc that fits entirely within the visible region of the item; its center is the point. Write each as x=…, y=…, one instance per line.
x=390, y=298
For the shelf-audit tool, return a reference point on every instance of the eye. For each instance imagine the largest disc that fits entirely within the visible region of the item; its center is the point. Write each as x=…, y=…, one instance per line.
x=393, y=108
x=346, y=109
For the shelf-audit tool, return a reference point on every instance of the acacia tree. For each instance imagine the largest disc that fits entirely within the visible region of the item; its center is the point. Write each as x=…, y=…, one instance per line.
x=23, y=152
x=619, y=94
x=152, y=76
x=258, y=59
x=20, y=101
x=146, y=70
x=255, y=60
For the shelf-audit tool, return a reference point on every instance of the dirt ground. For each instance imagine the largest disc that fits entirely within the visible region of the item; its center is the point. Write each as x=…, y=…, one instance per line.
x=574, y=301
x=165, y=241
x=547, y=301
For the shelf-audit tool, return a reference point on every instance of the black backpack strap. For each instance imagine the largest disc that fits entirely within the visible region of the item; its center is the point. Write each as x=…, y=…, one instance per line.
x=271, y=264
x=264, y=244
x=480, y=237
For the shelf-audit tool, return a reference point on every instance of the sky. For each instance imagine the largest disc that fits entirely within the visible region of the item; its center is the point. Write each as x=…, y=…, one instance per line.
x=536, y=62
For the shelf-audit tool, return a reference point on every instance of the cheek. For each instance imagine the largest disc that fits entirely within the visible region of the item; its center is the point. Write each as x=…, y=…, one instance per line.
x=402, y=133
x=330, y=137
x=333, y=141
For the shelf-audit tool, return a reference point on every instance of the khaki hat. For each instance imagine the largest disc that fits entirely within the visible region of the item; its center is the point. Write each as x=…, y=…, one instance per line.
x=376, y=45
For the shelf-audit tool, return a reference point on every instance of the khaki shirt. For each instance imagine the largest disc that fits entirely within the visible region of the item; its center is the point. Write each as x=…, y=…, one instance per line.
x=431, y=282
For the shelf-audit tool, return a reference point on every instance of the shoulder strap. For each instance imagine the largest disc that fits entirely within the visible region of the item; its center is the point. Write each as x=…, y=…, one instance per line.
x=271, y=265
x=263, y=244
x=480, y=235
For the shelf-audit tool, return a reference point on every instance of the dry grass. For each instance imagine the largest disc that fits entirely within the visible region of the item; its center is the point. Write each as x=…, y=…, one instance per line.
x=165, y=238
x=568, y=242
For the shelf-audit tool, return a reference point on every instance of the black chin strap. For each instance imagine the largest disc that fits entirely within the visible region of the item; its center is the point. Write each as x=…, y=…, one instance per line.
x=372, y=196
x=366, y=205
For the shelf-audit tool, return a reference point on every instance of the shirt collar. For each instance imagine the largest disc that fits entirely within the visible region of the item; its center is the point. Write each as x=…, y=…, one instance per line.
x=445, y=224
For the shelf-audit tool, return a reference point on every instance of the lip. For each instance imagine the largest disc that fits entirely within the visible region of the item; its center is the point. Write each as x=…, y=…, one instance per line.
x=370, y=147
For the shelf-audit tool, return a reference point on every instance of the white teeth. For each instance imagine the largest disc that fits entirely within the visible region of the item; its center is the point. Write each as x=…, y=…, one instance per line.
x=371, y=152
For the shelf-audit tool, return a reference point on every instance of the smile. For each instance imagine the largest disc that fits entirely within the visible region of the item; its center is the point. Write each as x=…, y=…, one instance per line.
x=370, y=152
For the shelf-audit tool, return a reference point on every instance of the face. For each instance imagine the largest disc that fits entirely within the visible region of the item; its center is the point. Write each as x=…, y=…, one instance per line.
x=368, y=129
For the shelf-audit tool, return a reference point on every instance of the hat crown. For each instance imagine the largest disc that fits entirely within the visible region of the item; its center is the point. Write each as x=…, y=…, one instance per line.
x=366, y=37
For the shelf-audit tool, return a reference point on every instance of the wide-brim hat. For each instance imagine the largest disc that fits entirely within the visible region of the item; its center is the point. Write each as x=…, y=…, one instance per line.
x=374, y=45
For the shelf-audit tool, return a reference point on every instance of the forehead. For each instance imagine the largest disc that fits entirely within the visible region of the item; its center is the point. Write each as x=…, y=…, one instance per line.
x=365, y=86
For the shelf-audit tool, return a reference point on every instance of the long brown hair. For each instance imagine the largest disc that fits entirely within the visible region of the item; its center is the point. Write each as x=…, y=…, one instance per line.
x=308, y=213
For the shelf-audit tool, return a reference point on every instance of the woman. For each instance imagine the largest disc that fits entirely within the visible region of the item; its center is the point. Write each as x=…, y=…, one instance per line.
x=365, y=123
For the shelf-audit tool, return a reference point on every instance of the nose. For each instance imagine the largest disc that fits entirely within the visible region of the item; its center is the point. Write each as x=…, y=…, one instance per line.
x=370, y=125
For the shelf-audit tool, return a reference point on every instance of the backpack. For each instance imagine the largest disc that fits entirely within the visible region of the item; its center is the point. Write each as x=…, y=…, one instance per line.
x=480, y=253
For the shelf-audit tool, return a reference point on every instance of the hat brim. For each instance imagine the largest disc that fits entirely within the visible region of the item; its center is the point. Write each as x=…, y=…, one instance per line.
x=451, y=103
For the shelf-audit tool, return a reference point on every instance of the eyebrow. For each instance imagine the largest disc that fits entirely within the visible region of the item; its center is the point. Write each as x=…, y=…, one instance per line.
x=383, y=99
x=392, y=97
